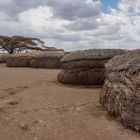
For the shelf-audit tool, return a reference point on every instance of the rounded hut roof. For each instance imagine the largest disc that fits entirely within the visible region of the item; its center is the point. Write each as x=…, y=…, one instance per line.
x=92, y=54
x=129, y=61
x=49, y=54
x=40, y=54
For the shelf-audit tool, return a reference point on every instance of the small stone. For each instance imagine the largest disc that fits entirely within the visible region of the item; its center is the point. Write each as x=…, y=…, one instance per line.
x=12, y=92
x=13, y=102
x=23, y=126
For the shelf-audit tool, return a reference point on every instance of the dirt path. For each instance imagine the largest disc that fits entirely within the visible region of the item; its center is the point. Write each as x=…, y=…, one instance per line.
x=34, y=106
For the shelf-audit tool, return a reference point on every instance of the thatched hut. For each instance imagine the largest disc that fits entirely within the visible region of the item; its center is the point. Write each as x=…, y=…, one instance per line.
x=120, y=95
x=47, y=59
x=86, y=67
x=4, y=57
x=19, y=60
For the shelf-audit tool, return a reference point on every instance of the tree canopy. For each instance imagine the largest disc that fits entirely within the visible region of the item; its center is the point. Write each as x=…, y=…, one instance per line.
x=19, y=43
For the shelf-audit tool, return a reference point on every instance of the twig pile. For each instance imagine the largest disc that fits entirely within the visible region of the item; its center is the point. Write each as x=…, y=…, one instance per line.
x=120, y=95
x=19, y=60
x=37, y=59
x=4, y=57
x=86, y=67
x=48, y=59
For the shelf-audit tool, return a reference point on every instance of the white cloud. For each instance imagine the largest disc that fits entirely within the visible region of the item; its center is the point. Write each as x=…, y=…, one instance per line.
x=3, y=16
x=75, y=24
x=5, y=2
x=132, y=30
x=130, y=6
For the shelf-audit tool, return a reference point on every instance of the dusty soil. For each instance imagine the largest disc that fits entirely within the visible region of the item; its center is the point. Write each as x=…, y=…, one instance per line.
x=34, y=106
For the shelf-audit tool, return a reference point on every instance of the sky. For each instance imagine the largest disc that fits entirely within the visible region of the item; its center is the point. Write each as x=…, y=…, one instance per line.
x=74, y=24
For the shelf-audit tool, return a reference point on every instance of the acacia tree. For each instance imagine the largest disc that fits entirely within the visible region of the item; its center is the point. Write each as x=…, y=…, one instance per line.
x=17, y=43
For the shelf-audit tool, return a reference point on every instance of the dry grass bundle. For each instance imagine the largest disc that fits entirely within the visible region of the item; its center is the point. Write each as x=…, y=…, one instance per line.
x=36, y=59
x=19, y=60
x=84, y=64
x=48, y=59
x=86, y=67
x=4, y=57
x=121, y=92
x=82, y=76
x=92, y=54
x=43, y=63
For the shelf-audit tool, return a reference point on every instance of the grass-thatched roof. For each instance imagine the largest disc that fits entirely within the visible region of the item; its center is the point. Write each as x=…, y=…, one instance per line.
x=92, y=54
x=49, y=54
x=120, y=94
x=128, y=61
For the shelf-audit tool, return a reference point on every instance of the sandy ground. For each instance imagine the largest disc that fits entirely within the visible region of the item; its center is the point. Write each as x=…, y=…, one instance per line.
x=34, y=106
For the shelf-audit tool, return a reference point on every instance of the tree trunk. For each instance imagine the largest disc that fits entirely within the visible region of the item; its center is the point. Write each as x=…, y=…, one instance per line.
x=11, y=51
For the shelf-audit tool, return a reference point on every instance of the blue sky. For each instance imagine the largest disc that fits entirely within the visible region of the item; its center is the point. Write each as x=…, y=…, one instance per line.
x=109, y=3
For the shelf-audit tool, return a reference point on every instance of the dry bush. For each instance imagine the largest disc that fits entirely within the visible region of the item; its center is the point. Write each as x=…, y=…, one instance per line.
x=84, y=64
x=36, y=59
x=50, y=59
x=4, y=57
x=120, y=95
x=82, y=76
x=43, y=63
x=86, y=67
x=19, y=60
